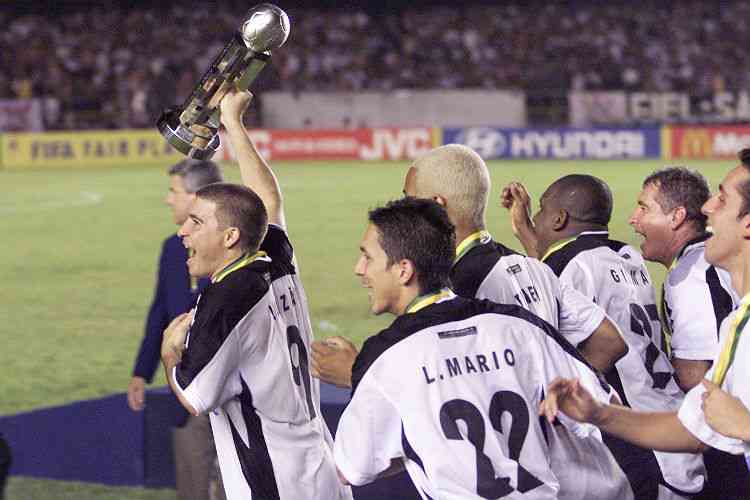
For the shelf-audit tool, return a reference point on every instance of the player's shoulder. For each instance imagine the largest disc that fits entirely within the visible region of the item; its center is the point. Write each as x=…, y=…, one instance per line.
x=471, y=270
x=243, y=288
x=689, y=270
x=279, y=248
x=454, y=310
x=588, y=248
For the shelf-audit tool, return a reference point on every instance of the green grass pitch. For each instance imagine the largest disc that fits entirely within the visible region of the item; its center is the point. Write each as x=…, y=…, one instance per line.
x=80, y=247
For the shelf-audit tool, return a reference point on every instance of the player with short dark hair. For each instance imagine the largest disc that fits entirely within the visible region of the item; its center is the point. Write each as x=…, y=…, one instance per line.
x=574, y=241
x=450, y=389
x=242, y=353
x=690, y=428
x=457, y=178
x=696, y=296
x=196, y=469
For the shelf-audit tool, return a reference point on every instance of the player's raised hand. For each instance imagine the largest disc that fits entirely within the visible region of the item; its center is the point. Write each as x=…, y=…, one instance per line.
x=332, y=360
x=725, y=413
x=515, y=198
x=233, y=106
x=571, y=398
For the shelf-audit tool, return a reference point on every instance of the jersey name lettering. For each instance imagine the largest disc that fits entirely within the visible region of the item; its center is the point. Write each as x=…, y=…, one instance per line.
x=467, y=365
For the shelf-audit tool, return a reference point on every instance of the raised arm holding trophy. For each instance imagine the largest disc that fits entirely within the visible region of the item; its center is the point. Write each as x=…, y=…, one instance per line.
x=193, y=128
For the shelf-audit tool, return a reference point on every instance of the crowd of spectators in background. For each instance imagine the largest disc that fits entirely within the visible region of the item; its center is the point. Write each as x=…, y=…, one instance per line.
x=111, y=68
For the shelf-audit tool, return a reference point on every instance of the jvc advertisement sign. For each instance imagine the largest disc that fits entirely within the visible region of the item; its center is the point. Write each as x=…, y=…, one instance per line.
x=558, y=143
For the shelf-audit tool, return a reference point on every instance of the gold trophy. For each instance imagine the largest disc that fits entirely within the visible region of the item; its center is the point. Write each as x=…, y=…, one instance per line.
x=193, y=128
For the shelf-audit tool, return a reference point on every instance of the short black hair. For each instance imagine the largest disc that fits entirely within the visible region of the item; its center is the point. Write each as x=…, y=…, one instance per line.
x=744, y=156
x=240, y=207
x=681, y=187
x=419, y=230
x=586, y=198
x=196, y=173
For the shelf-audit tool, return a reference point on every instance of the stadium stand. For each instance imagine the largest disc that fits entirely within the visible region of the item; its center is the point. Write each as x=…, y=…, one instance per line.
x=111, y=68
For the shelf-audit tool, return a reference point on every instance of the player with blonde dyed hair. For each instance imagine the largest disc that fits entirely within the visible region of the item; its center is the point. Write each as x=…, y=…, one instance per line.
x=460, y=178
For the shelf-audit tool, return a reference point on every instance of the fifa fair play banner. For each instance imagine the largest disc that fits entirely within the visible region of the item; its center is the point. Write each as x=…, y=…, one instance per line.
x=715, y=142
x=558, y=143
x=86, y=149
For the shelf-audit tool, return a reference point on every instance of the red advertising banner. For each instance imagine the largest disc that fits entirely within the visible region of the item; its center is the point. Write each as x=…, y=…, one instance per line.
x=357, y=144
x=705, y=142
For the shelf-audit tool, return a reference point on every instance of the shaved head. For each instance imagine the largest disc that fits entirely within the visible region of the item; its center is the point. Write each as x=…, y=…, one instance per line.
x=586, y=198
x=458, y=175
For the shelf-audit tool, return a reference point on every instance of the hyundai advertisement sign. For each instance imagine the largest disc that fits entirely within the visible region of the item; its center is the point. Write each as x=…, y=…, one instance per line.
x=558, y=143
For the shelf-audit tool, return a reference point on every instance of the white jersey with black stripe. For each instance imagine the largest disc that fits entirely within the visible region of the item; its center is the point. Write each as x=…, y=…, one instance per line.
x=615, y=276
x=246, y=363
x=697, y=298
x=584, y=466
x=453, y=390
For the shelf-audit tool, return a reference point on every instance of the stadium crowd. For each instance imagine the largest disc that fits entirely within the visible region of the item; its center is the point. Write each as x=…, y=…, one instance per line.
x=112, y=68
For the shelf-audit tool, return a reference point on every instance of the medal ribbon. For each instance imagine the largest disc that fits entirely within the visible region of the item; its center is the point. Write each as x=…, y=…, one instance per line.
x=425, y=300
x=243, y=261
x=471, y=241
x=557, y=246
x=726, y=358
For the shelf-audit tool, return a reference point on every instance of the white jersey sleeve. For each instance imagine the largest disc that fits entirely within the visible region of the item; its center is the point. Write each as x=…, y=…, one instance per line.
x=579, y=315
x=375, y=423
x=698, y=297
x=735, y=382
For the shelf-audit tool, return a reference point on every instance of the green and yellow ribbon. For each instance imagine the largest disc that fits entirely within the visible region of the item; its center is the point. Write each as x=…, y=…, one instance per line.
x=243, y=261
x=471, y=241
x=428, y=299
x=557, y=246
x=726, y=358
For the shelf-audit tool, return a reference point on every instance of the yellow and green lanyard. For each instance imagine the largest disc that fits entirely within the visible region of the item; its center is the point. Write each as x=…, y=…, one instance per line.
x=728, y=351
x=471, y=241
x=428, y=299
x=243, y=261
x=557, y=246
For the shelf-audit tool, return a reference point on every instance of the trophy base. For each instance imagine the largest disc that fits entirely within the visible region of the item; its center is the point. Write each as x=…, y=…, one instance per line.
x=183, y=139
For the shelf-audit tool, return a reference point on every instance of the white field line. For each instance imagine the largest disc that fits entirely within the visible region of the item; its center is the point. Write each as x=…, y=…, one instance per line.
x=84, y=198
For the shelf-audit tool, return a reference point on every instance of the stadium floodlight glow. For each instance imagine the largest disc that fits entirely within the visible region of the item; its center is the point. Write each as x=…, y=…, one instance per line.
x=193, y=128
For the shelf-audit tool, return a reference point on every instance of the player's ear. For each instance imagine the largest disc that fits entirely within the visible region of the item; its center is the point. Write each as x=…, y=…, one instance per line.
x=745, y=221
x=406, y=272
x=679, y=215
x=231, y=237
x=439, y=200
x=561, y=220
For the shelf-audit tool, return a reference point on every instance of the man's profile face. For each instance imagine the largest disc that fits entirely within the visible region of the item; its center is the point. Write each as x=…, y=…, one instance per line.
x=729, y=230
x=178, y=199
x=204, y=239
x=650, y=221
x=376, y=275
x=544, y=220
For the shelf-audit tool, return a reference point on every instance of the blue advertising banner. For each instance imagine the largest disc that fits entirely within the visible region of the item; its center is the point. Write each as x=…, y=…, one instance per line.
x=558, y=143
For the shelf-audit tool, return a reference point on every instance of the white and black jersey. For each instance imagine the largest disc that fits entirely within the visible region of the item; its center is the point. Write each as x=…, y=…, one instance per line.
x=697, y=298
x=486, y=269
x=614, y=275
x=246, y=363
x=453, y=390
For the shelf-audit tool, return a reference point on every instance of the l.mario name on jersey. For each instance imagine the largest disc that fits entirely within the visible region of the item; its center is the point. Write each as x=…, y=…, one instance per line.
x=469, y=365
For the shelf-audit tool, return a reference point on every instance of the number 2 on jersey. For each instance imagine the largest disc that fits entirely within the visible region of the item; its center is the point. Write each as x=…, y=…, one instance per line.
x=300, y=370
x=489, y=486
